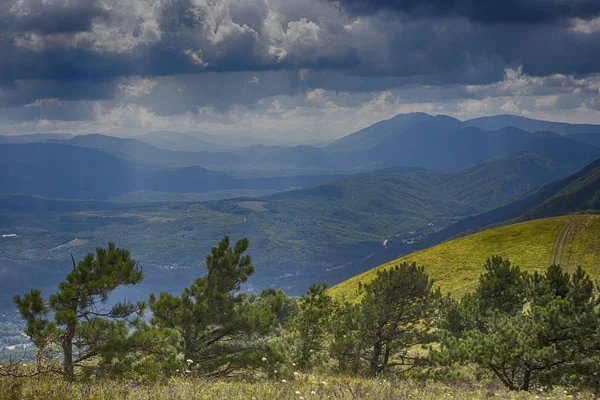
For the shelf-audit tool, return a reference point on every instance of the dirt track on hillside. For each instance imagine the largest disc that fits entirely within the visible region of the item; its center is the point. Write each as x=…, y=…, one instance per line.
x=569, y=231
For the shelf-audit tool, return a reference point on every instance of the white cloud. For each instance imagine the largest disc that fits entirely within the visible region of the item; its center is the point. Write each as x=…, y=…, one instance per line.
x=300, y=38
x=546, y=101
x=42, y=102
x=586, y=27
x=196, y=57
x=510, y=107
x=474, y=107
x=318, y=98
x=137, y=86
x=217, y=24
x=133, y=23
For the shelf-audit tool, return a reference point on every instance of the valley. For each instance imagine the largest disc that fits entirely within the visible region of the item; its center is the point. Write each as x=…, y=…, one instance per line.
x=168, y=208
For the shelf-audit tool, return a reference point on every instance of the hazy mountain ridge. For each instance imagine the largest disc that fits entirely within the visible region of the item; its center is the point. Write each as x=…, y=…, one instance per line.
x=440, y=143
x=56, y=170
x=179, y=141
x=531, y=125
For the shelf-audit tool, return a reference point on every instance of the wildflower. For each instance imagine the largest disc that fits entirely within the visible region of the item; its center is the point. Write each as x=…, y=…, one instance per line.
x=323, y=383
x=296, y=373
x=275, y=371
x=189, y=361
x=283, y=381
x=187, y=371
x=293, y=364
x=298, y=392
x=264, y=359
x=313, y=392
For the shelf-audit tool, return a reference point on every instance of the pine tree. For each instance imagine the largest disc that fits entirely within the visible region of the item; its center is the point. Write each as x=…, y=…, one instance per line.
x=552, y=330
x=308, y=325
x=502, y=286
x=79, y=322
x=395, y=314
x=217, y=323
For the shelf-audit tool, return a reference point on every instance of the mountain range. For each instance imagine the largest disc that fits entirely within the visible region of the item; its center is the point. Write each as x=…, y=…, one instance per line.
x=397, y=186
x=68, y=171
x=439, y=143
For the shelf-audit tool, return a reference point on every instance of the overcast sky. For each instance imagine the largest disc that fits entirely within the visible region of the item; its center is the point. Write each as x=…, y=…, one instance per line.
x=311, y=69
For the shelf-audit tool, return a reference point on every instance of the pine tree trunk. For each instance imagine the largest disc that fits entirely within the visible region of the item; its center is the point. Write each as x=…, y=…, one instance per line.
x=386, y=357
x=526, y=380
x=67, y=346
x=189, y=346
x=374, y=367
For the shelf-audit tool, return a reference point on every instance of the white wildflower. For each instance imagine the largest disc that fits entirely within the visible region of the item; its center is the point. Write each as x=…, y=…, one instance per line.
x=294, y=364
x=264, y=359
x=283, y=381
x=187, y=371
x=298, y=392
x=296, y=373
x=275, y=371
x=313, y=392
x=189, y=361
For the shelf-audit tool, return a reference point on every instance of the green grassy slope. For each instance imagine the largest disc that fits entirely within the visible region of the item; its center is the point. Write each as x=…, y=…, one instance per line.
x=456, y=265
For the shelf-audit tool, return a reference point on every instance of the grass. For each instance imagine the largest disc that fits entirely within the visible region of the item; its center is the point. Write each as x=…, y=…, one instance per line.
x=304, y=388
x=456, y=265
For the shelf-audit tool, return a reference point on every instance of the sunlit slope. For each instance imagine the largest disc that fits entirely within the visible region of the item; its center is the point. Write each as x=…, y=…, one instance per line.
x=456, y=265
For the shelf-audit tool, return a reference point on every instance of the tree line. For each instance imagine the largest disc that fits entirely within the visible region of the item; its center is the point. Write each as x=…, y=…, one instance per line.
x=526, y=329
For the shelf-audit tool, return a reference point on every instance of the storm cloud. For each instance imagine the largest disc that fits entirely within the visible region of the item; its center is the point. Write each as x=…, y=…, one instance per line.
x=489, y=11
x=302, y=67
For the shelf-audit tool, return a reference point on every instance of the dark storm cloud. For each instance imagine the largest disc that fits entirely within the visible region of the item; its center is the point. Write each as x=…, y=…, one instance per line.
x=490, y=11
x=22, y=93
x=62, y=64
x=75, y=50
x=424, y=50
x=50, y=110
x=49, y=16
